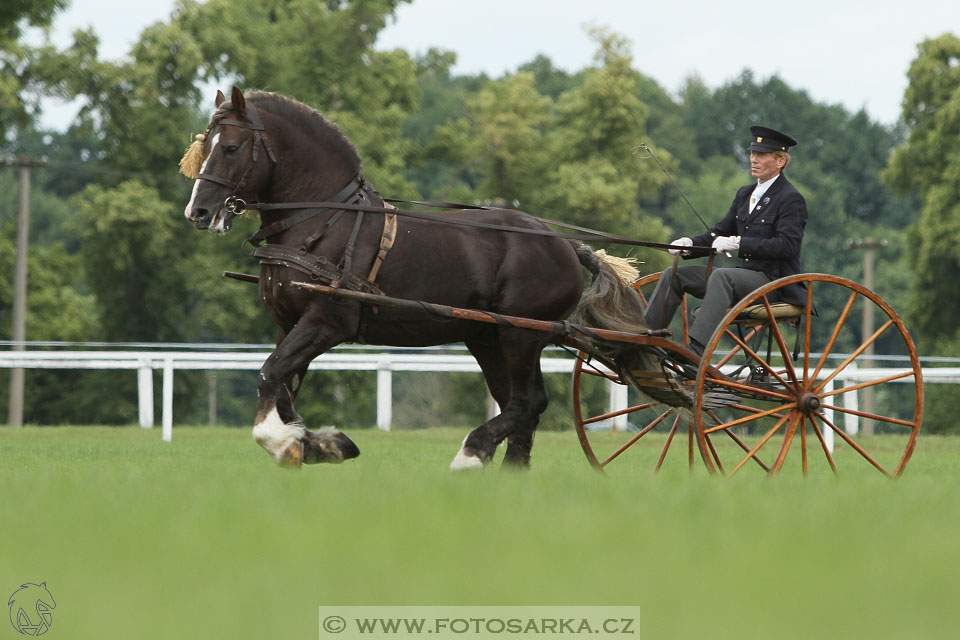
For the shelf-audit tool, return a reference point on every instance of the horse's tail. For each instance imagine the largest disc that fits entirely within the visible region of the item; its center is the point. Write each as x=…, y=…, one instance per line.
x=608, y=302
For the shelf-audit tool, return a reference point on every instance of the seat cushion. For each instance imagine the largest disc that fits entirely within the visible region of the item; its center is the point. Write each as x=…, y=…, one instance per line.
x=779, y=309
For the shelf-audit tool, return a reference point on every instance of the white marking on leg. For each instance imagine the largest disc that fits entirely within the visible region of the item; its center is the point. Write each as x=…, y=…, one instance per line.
x=203, y=167
x=462, y=461
x=274, y=435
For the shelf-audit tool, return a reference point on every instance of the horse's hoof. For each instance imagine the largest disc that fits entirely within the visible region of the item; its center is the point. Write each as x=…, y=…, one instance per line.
x=280, y=440
x=328, y=445
x=465, y=461
x=292, y=456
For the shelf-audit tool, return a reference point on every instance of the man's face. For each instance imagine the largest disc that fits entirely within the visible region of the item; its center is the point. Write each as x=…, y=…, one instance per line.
x=764, y=166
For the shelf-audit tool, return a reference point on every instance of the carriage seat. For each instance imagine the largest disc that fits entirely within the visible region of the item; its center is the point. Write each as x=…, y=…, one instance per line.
x=782, y=311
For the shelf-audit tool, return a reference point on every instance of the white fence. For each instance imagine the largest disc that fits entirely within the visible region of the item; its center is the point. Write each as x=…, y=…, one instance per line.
x=146, y=362
x=383, y=362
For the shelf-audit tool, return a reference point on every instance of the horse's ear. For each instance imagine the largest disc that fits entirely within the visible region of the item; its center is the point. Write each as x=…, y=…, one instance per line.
x=220, y=98
x=239, y=104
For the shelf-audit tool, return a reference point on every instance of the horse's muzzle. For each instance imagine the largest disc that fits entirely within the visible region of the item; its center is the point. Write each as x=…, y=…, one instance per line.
x=217, y=222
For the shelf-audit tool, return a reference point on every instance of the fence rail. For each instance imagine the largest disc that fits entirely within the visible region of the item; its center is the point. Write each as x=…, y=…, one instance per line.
x=384, y=362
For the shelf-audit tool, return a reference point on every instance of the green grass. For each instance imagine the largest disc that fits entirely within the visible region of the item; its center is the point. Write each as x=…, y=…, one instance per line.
x=205, y=538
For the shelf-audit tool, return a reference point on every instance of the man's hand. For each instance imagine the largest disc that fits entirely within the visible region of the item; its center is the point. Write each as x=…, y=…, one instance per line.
x=723, y=244
x=683, y=242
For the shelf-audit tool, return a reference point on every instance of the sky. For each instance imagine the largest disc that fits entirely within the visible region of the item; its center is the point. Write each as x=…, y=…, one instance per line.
x=850, y=52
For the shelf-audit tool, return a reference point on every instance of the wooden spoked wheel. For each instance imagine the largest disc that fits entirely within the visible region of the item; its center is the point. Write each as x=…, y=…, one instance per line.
x=809, y=383
x=654, y=424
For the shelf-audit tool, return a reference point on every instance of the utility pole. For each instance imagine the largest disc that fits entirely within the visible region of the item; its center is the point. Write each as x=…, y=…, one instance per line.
x=869, y=246
x=19, y=332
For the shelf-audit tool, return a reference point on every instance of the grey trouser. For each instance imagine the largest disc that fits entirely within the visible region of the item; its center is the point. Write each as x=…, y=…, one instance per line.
x=728, y=285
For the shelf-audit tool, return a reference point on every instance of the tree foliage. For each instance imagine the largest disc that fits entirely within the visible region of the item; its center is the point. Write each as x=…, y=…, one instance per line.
x=19, y=100
x=929, y=163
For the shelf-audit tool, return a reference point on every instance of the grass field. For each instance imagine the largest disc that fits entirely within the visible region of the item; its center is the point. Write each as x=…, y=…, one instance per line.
x=205, y=538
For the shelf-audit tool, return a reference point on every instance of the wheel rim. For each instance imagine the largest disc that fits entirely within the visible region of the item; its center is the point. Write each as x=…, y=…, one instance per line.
x=791, y=404
x=603, y=447
x=654, y=426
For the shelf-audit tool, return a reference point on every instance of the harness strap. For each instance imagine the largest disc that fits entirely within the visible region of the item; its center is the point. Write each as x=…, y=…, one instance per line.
x=317, y=267
x=344, y=195
x=346, y=263
x=212, y=178
x=339, y=198
x=309, y=243
x=387, y=239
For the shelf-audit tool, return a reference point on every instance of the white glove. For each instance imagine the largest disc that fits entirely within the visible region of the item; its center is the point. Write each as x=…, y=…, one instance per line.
x=722, y=244
x=683, y=242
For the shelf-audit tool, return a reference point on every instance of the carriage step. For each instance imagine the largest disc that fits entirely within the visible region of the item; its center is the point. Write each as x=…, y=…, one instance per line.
x=676, y=392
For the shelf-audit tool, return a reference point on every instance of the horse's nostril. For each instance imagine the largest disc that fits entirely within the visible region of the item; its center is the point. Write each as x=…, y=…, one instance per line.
x=200, y=217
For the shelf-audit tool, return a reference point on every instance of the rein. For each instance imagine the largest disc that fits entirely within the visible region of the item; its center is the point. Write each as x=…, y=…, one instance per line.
x=588, y=235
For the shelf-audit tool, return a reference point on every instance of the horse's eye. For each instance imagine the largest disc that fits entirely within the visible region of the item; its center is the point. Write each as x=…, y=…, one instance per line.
x=230, y=148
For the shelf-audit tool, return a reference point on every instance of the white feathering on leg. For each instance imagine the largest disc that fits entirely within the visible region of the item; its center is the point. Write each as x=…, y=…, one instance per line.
x=274, y=435
x=462, y=461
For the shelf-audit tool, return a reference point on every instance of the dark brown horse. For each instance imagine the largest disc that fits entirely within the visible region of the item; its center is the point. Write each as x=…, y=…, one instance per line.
x=282, y=157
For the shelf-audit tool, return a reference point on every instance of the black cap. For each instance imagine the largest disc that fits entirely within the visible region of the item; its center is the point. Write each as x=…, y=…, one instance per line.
x=767, y=140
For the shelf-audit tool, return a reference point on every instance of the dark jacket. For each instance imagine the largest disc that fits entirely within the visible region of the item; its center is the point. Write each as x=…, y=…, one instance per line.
x=770, y=237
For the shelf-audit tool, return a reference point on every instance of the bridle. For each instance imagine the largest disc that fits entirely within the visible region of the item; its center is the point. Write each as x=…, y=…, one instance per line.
x=234, y=203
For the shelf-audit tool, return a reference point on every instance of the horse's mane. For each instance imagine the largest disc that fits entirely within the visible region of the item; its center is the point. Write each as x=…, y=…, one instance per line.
x=305, y=116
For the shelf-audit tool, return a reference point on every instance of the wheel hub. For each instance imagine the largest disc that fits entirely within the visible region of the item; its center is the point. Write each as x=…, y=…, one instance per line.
x=808, y=402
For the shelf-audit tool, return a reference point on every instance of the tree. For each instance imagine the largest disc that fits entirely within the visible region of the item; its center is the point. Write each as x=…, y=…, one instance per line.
x=133, y=256
x=594, y=178
x=929, y=163
x=550, y=81
x=500, y=137
x=18, y=97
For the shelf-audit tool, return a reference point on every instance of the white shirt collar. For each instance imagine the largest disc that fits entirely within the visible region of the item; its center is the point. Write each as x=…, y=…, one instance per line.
x=761, y=189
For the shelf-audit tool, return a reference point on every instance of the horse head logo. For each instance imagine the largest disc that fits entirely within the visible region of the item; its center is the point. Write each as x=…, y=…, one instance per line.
x=31, y=609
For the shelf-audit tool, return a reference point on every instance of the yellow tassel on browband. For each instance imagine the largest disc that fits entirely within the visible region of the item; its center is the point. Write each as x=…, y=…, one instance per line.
x=623, y=267
x=193, y=158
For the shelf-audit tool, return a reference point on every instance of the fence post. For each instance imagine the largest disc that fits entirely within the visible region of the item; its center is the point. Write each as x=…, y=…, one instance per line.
x=384, y=394
x=618, y=402
x=145, y=393
x=167, y=431
x=827, y=431
x=851, y=422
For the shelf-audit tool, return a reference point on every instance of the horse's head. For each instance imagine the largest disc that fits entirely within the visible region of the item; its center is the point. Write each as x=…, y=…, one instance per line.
x=232, y=162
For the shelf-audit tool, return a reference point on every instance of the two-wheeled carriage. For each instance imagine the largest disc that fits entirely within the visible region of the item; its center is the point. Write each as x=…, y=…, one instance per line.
x=769, y=382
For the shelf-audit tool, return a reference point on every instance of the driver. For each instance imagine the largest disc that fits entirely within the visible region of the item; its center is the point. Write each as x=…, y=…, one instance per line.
x=764, y=226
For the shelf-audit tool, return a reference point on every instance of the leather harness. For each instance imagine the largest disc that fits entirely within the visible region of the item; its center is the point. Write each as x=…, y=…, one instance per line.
x=355, y=192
